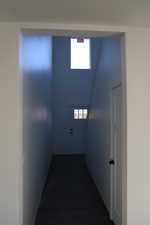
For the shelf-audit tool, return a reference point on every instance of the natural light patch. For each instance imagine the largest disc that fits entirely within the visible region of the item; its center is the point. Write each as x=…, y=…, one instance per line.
x=80, y=53
x=36, y=53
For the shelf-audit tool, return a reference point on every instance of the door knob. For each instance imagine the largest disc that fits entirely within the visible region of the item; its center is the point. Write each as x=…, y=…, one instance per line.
x=111, y=162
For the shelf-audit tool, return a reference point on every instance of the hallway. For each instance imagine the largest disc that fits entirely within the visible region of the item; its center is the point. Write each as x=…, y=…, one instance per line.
x=70, y=196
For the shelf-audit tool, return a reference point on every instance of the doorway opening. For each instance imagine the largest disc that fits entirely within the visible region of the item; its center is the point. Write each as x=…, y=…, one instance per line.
x=74, y=113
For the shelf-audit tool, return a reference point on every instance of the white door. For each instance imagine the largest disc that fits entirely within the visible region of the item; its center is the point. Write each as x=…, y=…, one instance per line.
x=115, y=161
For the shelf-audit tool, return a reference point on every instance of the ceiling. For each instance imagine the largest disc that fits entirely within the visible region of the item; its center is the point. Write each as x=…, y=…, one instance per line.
x=112, y=12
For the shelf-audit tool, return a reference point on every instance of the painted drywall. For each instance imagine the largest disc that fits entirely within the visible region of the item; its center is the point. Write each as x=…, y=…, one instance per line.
x=138, y=126
x=10, y=124
x=137, y=77
x=36, y=54
x=113, y=12
x=107, y=76
x=71, y=89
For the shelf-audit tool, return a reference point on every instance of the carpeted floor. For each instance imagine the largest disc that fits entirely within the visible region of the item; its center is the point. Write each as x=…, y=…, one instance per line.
x=70, y=196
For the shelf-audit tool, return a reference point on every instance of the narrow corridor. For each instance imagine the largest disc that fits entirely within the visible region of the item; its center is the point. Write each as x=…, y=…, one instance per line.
x=70, y=196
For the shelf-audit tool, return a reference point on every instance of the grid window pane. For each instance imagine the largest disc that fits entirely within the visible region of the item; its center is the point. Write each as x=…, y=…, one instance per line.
x=85, y=113
x=76, y=114
x=80, y=113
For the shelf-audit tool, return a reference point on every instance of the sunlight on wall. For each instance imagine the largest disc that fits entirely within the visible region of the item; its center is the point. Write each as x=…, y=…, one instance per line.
x=36, y=49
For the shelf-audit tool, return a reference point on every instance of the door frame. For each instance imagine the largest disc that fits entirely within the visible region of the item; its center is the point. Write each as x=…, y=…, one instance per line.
x=123, y=154
x=69, y=30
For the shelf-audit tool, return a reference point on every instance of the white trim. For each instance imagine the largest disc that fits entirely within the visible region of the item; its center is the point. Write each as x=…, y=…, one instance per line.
x=112, y=148
x=123, y=156
x=111, y=155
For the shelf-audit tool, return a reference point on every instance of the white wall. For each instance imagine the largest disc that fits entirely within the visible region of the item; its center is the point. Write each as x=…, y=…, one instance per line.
x=138, y=124
x=108, y=75
x=71, y=88
x=37, y=119
x=10, y=124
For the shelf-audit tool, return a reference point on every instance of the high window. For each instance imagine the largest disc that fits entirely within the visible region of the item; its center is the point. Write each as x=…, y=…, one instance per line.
x=80, y=53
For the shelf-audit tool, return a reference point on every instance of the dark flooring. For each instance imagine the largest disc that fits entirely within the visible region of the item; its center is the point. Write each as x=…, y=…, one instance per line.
x=70, y=196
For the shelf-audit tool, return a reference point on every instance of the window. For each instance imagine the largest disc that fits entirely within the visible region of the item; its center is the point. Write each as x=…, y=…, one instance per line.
x=80, y=53
x=80, y=114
